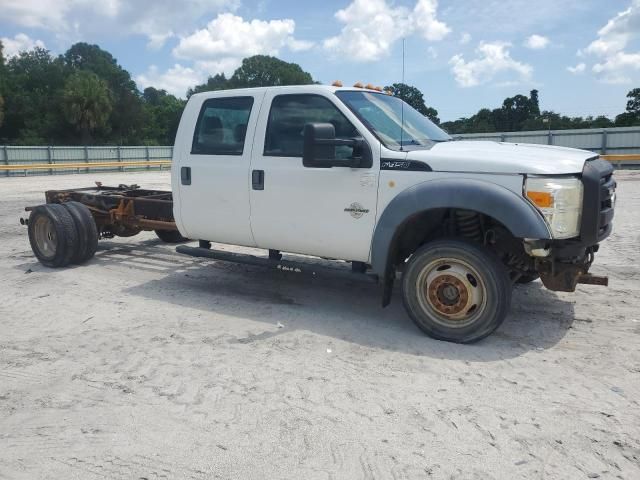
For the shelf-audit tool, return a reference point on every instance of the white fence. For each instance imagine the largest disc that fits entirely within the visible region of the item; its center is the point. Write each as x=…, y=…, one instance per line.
x=605, y=141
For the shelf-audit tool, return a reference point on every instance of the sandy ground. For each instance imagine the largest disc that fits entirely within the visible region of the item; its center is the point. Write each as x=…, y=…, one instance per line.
x=148, y=364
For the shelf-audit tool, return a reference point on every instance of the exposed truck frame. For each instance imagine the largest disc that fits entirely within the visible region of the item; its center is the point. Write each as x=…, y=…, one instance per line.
x=126, y=210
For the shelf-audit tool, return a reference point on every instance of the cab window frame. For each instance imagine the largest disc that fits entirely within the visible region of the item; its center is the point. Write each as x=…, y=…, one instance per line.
x=207, y=103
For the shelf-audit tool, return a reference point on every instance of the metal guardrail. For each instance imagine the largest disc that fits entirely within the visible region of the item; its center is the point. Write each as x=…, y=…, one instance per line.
x=18, y=160
x=83, y=166
x=49, y=160
x=605, y=141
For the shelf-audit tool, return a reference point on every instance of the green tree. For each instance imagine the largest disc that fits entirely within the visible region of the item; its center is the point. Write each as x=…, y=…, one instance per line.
x=2, y=77
x=415, y=98
x=32, y=82
x=217, y=82
x=633, y=105
x=631, y=116
x=163, y=112
x=265, y=71
x=127, y=116
x=86, y=104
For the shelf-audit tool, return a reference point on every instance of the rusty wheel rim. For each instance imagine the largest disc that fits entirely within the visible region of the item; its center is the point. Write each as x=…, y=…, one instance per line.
x=451, y=292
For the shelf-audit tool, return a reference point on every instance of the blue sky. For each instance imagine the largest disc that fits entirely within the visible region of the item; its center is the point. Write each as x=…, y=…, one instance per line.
x=582, y=55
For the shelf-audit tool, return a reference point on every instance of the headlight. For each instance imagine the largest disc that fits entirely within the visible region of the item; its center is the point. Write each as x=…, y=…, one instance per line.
x=560, y=201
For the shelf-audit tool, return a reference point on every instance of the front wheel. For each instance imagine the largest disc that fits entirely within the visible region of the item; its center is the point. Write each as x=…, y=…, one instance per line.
x=456, y=291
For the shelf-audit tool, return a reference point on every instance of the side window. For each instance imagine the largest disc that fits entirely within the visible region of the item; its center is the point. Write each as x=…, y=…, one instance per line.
x=222, y=126
x=288, y=116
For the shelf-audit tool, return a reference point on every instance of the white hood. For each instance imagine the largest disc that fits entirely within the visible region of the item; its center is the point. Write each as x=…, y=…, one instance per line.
x=494, y=157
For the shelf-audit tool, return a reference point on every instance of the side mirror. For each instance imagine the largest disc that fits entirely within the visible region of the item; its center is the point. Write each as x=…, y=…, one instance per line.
x=319, y=149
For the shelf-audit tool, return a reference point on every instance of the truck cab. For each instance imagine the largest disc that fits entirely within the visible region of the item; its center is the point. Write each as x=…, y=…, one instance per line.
x=357, y=175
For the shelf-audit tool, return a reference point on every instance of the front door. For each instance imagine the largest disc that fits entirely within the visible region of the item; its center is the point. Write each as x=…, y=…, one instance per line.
x=326, y=212
x=214, y=177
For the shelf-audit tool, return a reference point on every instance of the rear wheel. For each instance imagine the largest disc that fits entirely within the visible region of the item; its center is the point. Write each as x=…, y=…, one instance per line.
x=456, y=291
x=171, y=236
x=52, y=235
x=87, y=232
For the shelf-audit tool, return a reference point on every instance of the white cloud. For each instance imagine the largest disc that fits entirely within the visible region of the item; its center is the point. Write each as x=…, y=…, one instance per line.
x=493, y=59
x=465, y=38
x=155, y=19
x=536, y=42
x=227, y=39
x=615, y=64
x=220, y=48
x=371, y=27
x=579, y=68
x=231, y=36
x=19, y=43
x=175, y=80
x=426, y=23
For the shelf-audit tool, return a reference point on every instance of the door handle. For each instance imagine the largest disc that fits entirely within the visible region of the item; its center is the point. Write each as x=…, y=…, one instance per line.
x=257, y=179
x=185, y=175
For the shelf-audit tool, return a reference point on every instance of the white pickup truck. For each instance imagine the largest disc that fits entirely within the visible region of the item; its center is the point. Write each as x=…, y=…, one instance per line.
x=357, y=175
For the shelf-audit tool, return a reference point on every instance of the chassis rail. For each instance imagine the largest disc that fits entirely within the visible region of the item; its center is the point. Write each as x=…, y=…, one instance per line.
x=124, y=210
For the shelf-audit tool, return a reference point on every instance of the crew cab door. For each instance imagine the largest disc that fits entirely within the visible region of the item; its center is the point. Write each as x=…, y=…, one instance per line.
x=212, y=171
x=327, y=212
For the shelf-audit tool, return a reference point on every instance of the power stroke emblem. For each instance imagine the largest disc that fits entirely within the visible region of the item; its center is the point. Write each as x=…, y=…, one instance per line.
x=356, y=210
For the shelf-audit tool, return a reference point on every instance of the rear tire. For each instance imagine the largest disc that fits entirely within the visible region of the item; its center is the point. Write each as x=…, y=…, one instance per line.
x=52, y=235
x=456, y=291
x=87, y=232
x=171, y=236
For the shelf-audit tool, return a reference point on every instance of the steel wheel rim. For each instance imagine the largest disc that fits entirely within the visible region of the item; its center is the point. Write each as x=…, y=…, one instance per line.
x=451, y=292
x=45, y=236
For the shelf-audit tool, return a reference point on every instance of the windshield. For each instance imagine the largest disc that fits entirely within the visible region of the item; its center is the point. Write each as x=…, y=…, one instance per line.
x=383, y=115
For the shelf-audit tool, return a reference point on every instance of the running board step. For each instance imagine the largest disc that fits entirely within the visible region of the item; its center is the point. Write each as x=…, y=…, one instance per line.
x=300, y=268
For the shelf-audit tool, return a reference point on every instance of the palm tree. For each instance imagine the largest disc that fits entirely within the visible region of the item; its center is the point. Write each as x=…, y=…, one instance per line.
x=86, y=103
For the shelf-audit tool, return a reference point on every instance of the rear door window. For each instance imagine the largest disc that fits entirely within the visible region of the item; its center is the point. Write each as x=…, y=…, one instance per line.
x=222, y=126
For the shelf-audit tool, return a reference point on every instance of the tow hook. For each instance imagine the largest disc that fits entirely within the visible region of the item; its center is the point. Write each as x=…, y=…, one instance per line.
x=566, y=277
x=590, y=279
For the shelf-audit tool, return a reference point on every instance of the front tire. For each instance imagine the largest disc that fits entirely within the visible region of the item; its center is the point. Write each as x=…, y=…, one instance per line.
x=456, y=291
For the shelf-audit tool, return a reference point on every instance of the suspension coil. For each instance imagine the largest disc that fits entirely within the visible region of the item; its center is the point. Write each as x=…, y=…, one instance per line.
x=469, y=225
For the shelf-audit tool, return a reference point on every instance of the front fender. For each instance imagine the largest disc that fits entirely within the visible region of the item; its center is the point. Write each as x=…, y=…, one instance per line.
x=518, y=215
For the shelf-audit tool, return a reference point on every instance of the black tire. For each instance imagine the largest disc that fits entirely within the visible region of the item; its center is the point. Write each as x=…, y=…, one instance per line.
x=171, y=236
x=87, y=232
x=524, y=279
x=456, y=291
x=52, y=235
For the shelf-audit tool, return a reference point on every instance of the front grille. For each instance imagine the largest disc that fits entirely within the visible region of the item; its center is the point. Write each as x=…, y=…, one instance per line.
x=598, y=205
x=607, y=195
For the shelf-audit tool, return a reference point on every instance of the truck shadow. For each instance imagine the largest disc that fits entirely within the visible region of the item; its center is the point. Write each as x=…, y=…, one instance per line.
x=341, y=309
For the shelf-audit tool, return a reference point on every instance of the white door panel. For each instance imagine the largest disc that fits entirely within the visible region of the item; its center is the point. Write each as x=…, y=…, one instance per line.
x=327, y=212
x=216, y=203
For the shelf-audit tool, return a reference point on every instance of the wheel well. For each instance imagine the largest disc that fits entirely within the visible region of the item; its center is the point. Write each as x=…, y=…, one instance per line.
x=470, y=225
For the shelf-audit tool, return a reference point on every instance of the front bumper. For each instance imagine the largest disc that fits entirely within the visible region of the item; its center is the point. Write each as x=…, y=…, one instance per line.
x=570, y=260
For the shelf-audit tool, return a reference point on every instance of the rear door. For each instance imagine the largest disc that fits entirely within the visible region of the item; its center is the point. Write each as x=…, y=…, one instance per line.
x=327, y=212
x=213, y=177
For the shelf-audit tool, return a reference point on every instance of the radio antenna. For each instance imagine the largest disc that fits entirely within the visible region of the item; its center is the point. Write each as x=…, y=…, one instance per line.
x=402, y=102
